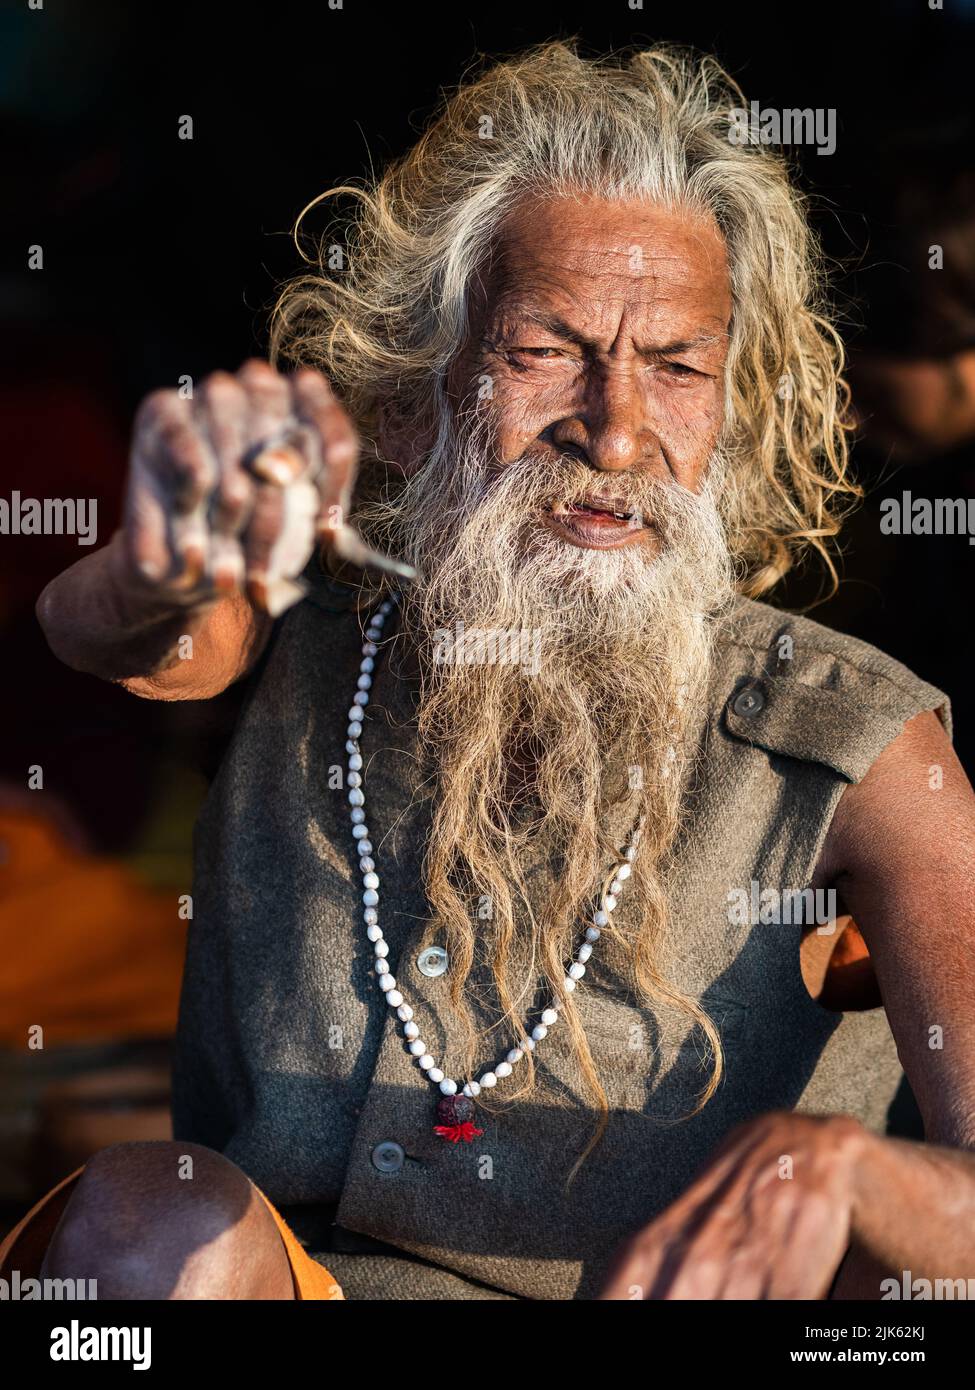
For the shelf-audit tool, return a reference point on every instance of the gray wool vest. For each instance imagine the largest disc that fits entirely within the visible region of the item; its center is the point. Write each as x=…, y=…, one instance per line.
x=289, y=1062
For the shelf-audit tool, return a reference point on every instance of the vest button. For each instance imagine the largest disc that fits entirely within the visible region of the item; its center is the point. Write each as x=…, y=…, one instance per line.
x=388, y=1156
x=749, y=702
x=432, y=961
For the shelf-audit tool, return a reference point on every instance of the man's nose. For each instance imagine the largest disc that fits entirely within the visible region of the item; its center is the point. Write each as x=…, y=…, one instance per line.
x=611, y=428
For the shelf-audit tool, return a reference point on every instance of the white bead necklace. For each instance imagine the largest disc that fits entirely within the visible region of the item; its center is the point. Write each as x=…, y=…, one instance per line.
x=455, y=1110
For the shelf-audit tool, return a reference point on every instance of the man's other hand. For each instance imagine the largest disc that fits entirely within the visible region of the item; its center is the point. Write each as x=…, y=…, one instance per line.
x=768, y=1218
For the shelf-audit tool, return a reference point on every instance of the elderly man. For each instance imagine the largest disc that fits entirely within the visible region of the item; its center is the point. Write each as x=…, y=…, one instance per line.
x=505, y=975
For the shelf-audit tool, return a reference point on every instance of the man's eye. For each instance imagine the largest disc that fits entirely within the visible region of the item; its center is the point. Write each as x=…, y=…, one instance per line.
x=538, y=351
x=680, y=371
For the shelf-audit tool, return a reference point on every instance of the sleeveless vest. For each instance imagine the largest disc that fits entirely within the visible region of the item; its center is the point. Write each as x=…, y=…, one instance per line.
x=290, y=1063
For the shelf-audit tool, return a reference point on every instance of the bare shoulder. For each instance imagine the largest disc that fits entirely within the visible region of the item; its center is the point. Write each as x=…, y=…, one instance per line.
x=914, y=803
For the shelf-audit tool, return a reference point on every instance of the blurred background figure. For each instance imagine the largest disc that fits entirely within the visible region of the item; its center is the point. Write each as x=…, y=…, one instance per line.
x=910, y=214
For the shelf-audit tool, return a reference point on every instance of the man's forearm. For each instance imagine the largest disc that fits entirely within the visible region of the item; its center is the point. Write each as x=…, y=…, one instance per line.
x=97, y=620
x=914, y=1210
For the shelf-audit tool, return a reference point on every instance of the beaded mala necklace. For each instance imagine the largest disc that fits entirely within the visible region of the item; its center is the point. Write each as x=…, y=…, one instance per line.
x=455, y=1108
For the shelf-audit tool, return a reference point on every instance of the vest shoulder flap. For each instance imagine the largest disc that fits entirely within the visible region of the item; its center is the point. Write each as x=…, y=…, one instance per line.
x=800, y=690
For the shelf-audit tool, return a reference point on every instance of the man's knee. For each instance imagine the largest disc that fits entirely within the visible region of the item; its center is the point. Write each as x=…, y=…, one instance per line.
x=168, y=1220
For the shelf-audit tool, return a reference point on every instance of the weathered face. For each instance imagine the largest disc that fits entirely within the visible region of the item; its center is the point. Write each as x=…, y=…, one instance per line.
x=603, y=328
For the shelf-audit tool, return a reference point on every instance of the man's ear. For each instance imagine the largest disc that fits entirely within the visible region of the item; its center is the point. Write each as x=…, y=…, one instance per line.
x=403, y=442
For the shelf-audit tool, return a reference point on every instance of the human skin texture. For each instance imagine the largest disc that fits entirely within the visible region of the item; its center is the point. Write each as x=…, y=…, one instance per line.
x=604, y=329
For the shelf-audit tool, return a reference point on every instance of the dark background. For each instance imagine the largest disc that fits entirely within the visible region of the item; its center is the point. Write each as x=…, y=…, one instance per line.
x=161, y=258
x=166, y=250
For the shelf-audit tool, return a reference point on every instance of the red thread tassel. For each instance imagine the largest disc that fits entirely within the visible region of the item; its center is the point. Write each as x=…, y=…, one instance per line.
x=455, y=1133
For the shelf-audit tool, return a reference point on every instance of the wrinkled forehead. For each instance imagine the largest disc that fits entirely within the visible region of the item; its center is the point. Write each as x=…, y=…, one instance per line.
x=599, y=258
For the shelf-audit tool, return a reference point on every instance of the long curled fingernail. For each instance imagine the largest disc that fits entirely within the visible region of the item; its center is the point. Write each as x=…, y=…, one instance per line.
x=279, y=466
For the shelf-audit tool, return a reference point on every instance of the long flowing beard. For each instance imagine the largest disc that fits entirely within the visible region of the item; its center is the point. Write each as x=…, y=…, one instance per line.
x=552, y=677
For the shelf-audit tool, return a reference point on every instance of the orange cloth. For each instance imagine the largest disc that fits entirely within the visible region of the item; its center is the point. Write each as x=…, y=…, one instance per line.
x=89, y=953
x=23, y=1249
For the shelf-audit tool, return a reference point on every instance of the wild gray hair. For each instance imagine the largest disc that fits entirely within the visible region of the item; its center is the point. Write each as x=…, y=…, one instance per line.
x=385, y=317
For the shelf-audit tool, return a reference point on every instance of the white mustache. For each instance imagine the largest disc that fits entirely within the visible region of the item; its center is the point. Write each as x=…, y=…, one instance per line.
x=463, y=509
x=557, y=483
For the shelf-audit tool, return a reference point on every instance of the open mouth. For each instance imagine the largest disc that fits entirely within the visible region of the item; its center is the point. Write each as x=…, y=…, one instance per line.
x=598, y=522
x=607, y=509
